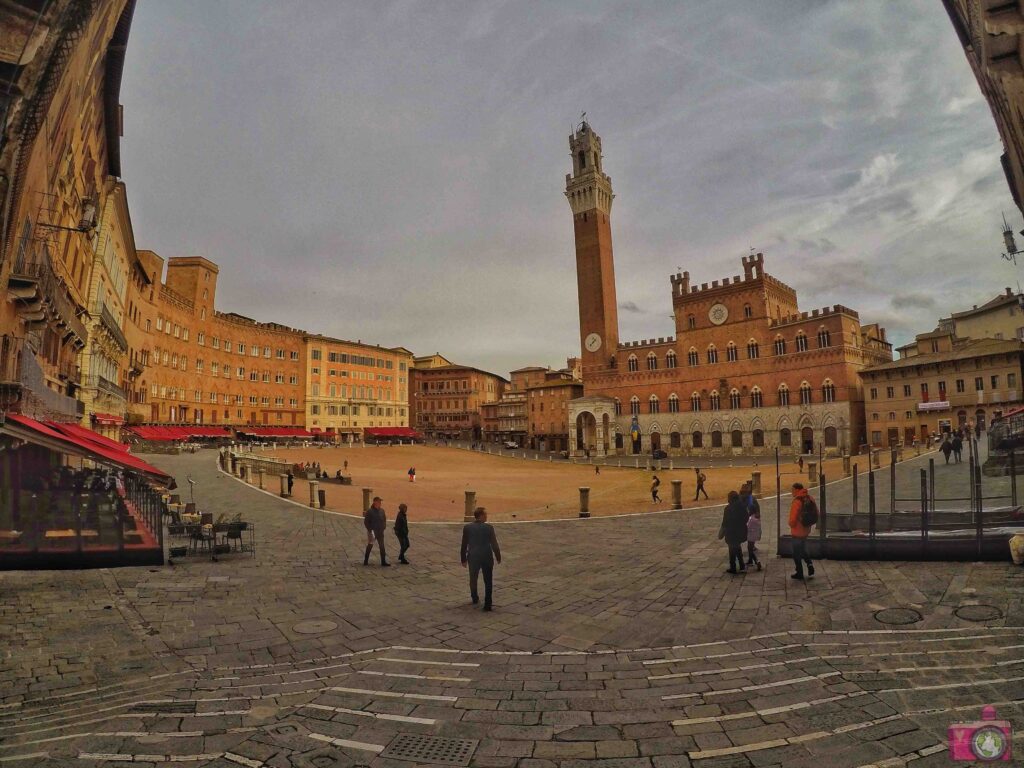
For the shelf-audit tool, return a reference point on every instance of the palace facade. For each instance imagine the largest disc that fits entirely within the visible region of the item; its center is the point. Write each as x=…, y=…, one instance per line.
x=745, y=372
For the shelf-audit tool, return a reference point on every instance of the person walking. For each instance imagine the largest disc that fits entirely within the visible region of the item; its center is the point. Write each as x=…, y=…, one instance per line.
x=734, y=531
x=803, y=516
x=412, y=474
x=376, y=521
x=958, y=448
x=479, y=552
x=946, y=448
x=753, y=524
x=800, y=464
x=291, y=482
x=401, y=529
x=597, y=469
x=701, y=477
x=655, y=484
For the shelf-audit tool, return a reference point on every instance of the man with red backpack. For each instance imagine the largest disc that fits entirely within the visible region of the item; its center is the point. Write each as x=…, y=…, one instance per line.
x=803, y=516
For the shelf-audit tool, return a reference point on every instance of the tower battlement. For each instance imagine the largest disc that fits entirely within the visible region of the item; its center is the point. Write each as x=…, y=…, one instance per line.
x=753, y=271
x=835, y=309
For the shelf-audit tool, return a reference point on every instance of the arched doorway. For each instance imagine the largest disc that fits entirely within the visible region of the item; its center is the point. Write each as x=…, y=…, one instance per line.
x=807, y=440
x=961, y=417
x=586, y=431
x=655, y=441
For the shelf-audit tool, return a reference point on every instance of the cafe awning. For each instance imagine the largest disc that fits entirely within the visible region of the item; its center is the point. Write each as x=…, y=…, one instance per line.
x=62, y=438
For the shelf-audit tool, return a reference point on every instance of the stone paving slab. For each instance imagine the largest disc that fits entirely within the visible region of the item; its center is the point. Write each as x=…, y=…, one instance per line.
x=615, y=642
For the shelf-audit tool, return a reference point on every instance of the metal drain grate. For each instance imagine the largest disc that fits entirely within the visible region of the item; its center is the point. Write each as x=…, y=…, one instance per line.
x=430, y=749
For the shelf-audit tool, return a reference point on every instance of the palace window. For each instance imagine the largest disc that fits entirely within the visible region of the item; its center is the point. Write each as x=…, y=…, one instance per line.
x=748, y=312
x=783, y=395
x=756, y=399
x=695, y=402
x=652, y=361
x=673, y=403
x=691, y=322
x=824, y=338
x=698, y=439
x=712, y=354
x=691, y=357
x=959, y=387
x=874, y=393
x=785, y=438
x=715, y=400
x=979, y=384
x=634, y=406
x=734, y=399
x=737, y=439
x=890, y=392
x=753, y=351
x=828, y=391
x=633, y=364
x=618, y=407
x=716, y=439
x=731, y=353
x=801, y=342
x=653, y=405
x=670, y=359
x=780, y=346
x=805, y=394
x=758, y=438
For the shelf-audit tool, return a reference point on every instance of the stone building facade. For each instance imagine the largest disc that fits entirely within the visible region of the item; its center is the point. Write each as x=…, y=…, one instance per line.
x=447, y=399
x=59, y=163
x=947, y=384
x=1001, y=317
x=745, y=372
x=547, y=404
x=351, y=386
x=991, y=36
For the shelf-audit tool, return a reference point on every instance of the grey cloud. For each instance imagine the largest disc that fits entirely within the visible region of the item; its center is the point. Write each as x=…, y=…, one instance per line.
x=394, y=171
x=915, y=300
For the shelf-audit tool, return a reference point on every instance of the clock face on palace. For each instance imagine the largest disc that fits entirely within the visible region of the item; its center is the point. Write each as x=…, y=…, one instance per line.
x=718, y=314
x=592, y=342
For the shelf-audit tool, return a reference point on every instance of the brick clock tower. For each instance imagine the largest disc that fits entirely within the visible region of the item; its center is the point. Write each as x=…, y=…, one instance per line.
x=589, y=191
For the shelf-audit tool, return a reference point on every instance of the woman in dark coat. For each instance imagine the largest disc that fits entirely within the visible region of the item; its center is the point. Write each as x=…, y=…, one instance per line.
x=734, y=531
x=401, y=529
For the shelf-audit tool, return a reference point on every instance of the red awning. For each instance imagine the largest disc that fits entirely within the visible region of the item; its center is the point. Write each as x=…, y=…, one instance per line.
x=391, y=432
x=55, y=438
x=275, y=432
x=87, y=434
x=184, y=432
x=108, y=419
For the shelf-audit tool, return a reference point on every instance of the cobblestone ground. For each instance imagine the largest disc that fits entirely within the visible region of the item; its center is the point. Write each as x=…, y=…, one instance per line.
x=616, y=640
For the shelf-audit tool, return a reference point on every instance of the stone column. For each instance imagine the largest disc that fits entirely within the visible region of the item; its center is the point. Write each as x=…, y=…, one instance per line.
x=314, y=502
x=755, y=483
x=677, y=494
x=367, y=498
x=812, y=471
x=846, y=464
x=470, y=506
x=284, y=485
x=584, y=502
x=671, y=464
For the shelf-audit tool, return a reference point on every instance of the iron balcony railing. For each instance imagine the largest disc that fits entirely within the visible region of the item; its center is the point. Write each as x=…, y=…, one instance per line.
x=51, y=291
x=108, y=321
x=103, y=385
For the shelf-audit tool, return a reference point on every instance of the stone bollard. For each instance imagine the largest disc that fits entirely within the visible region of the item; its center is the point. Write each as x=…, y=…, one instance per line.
x=470, y=506
x=550, y=457
x=812, y=471
x=367, y=498
x=261, y=479
x=671, y=465
x=638, y=463
x=284, y=485
x=846, y=464
x=755, y=483
x=917, y=446
x=677, y=494
x=876, y=462
x=314, y=485
x=584, y=502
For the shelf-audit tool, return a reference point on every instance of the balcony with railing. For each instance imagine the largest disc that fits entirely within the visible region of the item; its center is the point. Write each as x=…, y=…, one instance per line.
x=113, y=328
x=104, y=386
x=37, y=293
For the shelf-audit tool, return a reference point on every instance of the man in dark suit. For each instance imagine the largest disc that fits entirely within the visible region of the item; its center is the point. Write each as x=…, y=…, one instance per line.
x=479, y=552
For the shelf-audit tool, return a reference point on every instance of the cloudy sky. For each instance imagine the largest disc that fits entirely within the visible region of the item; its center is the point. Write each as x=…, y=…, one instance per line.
x=394, y=172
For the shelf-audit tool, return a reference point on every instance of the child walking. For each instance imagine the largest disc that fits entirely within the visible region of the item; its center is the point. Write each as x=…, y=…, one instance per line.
x=753, y=536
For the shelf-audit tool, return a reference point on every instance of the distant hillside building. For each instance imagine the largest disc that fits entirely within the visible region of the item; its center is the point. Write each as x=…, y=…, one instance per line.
x=745, y=372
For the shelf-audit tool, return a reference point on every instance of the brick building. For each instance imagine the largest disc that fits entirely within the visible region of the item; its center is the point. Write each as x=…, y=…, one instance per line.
x=548, y=409
x=446, y=399
x=945, y=384
x=745, y=372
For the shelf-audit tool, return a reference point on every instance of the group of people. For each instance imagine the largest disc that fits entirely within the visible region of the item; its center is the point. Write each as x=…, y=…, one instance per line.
x=741, y=522
x=953, y=444
x=478, y=552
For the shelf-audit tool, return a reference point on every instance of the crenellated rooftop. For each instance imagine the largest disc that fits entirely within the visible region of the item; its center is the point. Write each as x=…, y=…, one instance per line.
x=836, y=309
x=753, y=271
x=647, y=342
